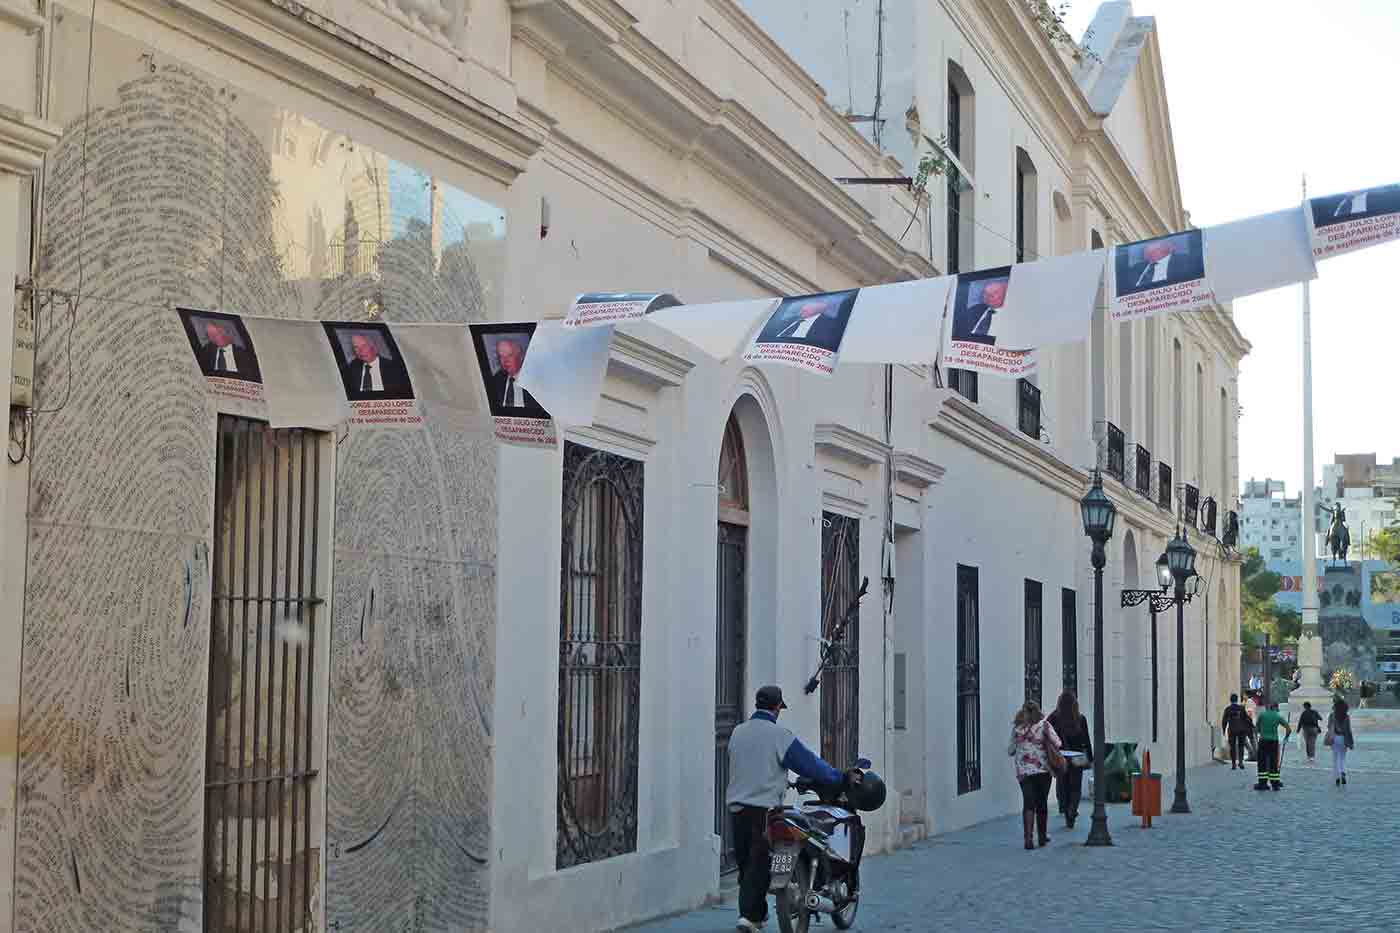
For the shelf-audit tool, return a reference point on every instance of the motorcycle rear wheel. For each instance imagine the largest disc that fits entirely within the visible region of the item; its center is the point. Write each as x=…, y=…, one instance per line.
x=793, y=915
x=845, y=918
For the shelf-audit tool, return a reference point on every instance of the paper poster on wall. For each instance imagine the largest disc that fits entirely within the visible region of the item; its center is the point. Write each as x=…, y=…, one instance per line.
x=805, y=332
x=970, y=340
x=446, y=382
x=374, y=375
x=301, y=382
x=226, y=356
x=1344, y=223
x=594, y=308
x=500, y=352
x=1166, y=273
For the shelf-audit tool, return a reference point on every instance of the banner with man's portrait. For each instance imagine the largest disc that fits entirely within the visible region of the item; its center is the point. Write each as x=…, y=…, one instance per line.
x=972, y=324
x=805, y=332
x=224, y=350
x=1165, y=273
x=1344, y=223
x=592, y=309
x=500, y=352
x=374, y=375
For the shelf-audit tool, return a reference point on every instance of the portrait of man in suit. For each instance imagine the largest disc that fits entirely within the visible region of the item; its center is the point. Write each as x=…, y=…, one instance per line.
x=978, y=303
x=370, y=363
x=222, y=346
x=816, y=320
x=1159, y=262
x=1356, y=205
x=500, y=351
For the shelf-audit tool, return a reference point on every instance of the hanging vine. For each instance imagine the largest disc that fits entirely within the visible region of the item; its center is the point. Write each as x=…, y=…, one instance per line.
x=1051, y=19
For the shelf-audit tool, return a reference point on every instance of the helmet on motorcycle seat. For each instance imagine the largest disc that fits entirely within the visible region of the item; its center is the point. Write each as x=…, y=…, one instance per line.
x=867, y=794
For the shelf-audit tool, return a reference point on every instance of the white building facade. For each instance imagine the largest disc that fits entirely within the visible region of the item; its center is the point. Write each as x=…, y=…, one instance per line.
x=515, y=704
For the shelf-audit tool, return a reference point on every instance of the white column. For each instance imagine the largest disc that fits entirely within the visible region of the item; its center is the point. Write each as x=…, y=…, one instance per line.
x=23, y=141
x=1310, y=643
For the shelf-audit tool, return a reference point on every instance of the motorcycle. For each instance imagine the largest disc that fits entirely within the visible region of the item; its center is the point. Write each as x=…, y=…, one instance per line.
x=815, y=849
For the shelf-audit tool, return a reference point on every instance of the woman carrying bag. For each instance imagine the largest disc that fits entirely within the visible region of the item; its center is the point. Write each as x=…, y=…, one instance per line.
x=1035, y=750
x=1073, y=729
x=1339, y=738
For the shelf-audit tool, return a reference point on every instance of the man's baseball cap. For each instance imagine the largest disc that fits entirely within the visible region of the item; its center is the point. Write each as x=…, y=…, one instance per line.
x=769, y=697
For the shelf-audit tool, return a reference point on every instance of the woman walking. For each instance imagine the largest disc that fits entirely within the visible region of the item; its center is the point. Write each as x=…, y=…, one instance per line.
x=1035, y=749
x=1339, y=737
x=1073, y=729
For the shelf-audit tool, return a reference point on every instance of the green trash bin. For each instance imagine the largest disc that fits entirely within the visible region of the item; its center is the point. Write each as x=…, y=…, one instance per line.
x=1120, y=762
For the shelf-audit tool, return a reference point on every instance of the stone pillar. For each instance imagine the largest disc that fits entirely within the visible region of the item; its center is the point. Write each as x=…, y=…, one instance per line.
x=23, y=141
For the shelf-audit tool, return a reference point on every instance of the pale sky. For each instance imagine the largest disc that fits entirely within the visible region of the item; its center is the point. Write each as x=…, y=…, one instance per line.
x=1259, y=94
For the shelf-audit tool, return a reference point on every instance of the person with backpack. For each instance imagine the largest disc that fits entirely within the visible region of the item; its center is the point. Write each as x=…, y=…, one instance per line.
x=1309, y=724
x=1237, y=726
x=1340, y=738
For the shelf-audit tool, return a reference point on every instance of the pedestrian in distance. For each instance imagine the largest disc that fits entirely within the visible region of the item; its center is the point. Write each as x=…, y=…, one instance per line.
x=1270, y=757
x=1237, y=726
x=1340, y=738
x=1309, y=726
x=1035, y=750
x=1073, y=729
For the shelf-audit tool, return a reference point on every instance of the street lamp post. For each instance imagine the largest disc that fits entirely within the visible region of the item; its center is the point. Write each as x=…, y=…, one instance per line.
x=1099, y=515
x=1176, y=566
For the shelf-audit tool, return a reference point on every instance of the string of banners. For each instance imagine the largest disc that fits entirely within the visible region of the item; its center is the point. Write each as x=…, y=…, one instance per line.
x=518, y=379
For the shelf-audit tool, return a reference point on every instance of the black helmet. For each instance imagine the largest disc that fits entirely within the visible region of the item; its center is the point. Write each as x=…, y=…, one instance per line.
x=865, y=790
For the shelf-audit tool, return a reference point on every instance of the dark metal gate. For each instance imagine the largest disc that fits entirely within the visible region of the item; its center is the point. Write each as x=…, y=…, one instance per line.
x=1069, y=640
x=259, y=854
x=840, y=686
x=600, y=653
x=1034, y=640
x=729, y=669
x=969, y=684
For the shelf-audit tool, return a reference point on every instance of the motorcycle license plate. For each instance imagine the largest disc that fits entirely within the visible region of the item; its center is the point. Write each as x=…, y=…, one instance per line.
x=782, y=863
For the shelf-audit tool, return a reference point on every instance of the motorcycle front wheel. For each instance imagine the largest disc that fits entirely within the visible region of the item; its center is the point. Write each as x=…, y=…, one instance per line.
x=793, y=915
x=845, y=918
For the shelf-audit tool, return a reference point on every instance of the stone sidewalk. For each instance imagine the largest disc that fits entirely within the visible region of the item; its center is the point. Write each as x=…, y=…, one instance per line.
x=1312, y=856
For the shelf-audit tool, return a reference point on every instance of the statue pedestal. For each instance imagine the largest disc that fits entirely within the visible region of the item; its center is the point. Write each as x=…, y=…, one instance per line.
x=1310, y=677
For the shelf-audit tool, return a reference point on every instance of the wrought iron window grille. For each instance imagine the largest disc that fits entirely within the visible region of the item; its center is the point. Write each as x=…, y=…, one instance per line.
x=840, y=701
x=1116, y=466
x=1164, y=486
x=1143, y=471
x=1069, y=639
x=1028, y=408
x=969, y=684
x=1190, y=504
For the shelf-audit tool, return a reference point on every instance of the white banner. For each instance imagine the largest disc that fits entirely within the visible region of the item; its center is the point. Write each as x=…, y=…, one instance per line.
x=445, y=378
x=1258, y=253
x=598, y=308
x=969, y=340
x=718, y=329
x=1344, y=223
x=897, y=323
x=565, y=369
x=300, y=379
x=1049, y=301
x=1165, y=273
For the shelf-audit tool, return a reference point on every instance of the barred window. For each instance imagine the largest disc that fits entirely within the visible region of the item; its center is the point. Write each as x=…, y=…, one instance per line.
x=599, y=655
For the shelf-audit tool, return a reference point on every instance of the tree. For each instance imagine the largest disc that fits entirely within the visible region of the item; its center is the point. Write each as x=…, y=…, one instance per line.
x=1260, y=614
x=1386, y=544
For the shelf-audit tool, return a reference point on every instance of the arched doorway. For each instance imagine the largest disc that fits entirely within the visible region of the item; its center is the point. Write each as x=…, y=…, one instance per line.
x=731, y=616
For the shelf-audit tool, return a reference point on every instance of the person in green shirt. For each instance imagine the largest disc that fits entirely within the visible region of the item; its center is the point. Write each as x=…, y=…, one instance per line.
x=1269, y=760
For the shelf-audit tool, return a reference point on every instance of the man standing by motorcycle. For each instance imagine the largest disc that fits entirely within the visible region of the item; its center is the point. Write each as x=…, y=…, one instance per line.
x=761, y=753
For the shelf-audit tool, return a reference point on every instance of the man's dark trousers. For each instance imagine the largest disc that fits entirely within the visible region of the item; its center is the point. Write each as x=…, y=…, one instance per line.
x=1238, y=741
x=1268, y=762
x=751, y=855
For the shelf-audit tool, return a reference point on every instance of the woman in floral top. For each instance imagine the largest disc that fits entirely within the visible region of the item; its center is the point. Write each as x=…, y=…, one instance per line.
x=1029, y=734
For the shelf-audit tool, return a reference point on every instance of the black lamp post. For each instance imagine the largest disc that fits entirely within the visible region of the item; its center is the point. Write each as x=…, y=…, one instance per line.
x=1181, y=559
x=1099, y=515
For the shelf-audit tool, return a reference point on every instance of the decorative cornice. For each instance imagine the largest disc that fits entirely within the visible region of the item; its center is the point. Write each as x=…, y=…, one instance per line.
x=968, y=425
x=612, y=439
x=17, y=13
x=646, y=363
x=24, y=139
x=843, y=443
x=916, y=471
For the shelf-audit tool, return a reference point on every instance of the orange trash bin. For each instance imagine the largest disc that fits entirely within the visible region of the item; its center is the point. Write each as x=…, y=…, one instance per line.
x=1147, y=792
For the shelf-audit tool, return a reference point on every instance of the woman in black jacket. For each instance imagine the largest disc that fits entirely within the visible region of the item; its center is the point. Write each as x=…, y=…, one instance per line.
x=1073, y=730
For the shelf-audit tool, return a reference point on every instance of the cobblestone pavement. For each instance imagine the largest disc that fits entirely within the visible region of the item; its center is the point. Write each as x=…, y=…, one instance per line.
x=1312, y=856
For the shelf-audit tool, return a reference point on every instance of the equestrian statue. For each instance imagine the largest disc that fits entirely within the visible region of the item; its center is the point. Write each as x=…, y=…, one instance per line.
x=1338, y=536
